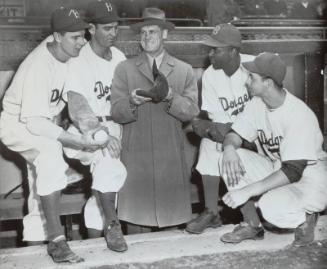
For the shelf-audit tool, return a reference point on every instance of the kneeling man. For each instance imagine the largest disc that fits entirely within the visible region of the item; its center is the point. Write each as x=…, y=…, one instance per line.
x=291, y=173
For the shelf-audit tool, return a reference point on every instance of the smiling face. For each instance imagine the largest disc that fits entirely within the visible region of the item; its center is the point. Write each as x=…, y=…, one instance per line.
x=71, y=42
x=104, y=34
x=220, y=57
x=152, y=37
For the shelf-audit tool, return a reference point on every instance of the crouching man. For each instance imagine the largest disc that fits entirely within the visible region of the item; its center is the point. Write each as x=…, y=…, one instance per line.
x=291, y=174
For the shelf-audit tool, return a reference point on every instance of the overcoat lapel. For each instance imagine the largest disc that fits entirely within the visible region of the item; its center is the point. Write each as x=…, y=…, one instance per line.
x=166, y=66
x=143, y=66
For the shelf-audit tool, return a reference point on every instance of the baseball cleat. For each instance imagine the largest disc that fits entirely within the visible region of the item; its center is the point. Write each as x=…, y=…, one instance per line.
x=61, y=252
x=304, y=233
x=114, y=237
x=205, y=220
x=243, y=232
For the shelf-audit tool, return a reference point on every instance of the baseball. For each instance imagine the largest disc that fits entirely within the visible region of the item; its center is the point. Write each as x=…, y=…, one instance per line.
x=100, y=136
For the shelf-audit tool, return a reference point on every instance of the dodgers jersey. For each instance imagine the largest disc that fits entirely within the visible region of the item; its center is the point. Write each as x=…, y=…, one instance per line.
x=37, y=87
x=289, y=132
x=223, y=97
x=91, y=76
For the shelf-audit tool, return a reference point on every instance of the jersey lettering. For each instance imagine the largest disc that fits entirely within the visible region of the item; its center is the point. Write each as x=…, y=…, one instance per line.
x=102, y=91
x=272, y=142
x=56, y=96
x=236, y=105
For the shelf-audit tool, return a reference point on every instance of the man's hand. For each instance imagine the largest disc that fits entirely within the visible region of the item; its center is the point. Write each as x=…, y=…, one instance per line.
x=201, y=127
x=138, y=100
x=90, y=144
x=160, y=90
x=114, y=147
x=236, y=198
x=233, y=168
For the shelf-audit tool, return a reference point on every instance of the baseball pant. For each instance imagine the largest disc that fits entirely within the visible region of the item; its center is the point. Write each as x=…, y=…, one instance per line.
x=108, y=175
x=285, y=206
x=208, y=158
x=44, y=154
x=46, y=170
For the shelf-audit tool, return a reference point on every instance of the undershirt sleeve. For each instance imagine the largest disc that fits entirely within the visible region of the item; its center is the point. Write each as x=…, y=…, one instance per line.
x=294, y=169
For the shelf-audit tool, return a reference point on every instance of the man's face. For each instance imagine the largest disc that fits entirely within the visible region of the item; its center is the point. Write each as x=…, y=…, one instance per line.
x=255, y=84
x=152, y=39
x=105, y=34
x=220, y=57
x=72, y=42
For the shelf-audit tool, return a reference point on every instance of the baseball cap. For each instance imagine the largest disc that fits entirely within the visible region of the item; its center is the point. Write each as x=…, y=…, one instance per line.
x=268, y=64
x=101, y=12
x=153, y=16
x=224, y=35
x=67, y=20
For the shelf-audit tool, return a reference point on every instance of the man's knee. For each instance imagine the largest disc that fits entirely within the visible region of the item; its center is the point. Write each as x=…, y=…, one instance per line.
x=50, y=169
x=281, y=208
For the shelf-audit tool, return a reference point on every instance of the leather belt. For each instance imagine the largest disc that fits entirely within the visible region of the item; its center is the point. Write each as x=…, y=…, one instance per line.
x=104, y=118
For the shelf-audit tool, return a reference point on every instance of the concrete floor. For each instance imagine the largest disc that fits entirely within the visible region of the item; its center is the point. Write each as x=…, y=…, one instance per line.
x=148, y=248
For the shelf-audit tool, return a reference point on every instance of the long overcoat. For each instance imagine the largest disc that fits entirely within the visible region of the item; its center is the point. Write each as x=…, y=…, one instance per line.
x=157, y=188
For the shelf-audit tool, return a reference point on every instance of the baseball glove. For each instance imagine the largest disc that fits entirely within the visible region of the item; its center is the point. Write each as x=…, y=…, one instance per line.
x=160, y=89
x=215, y=131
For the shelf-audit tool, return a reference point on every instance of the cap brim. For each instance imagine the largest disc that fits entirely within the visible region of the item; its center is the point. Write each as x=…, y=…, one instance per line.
x=163, y=24
x=79, y=26
x=251, y=67
x=105, y=20
x=211, y=42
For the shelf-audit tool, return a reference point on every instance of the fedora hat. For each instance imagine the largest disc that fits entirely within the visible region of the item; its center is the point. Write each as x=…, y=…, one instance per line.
x=153, y=16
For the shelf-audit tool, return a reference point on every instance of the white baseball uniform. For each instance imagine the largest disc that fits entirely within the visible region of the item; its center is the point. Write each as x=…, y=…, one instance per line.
x=36, y=91
x=91, y=76
x=290, y=132
x=223, y=97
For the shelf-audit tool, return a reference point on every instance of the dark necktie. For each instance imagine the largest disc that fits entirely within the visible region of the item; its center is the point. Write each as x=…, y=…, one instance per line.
x=154, y=69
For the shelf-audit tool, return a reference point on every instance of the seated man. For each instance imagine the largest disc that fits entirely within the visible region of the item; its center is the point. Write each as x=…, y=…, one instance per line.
x=88, y=93
x=28, y=121
x=224, y=96
x=291, y=174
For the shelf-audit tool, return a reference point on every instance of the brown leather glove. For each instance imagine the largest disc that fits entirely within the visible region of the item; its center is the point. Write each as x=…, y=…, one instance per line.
x=160, y=89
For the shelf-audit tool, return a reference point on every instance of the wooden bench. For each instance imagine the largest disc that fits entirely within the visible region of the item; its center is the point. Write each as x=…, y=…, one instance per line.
x=12, y=207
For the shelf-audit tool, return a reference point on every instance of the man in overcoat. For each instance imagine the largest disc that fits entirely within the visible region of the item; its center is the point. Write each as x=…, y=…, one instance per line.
x=157, y=189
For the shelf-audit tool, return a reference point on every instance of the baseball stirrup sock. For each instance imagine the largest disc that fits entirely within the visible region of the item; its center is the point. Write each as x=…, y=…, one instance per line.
x=51, y=208
x=211, y=191
x=107, y=202
x=250, y=215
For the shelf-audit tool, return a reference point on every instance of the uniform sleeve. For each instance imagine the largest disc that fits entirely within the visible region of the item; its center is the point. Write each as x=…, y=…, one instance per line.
x=185, y=106
x=121, y=109
x=245, y=124
x=210, y=101
x=299, y=142
x=35, y=92
x=76, y=80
